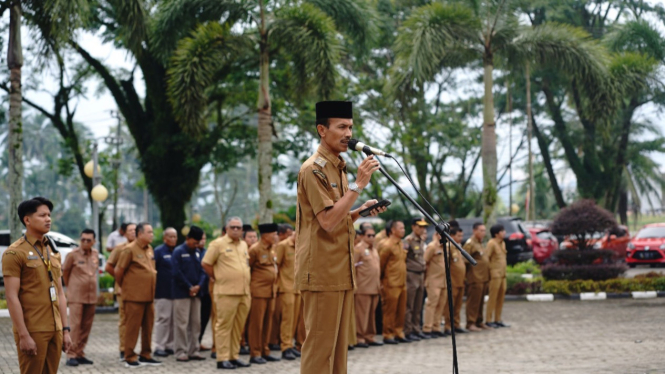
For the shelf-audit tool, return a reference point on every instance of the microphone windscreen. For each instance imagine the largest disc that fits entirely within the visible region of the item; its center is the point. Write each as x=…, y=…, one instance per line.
x=353, y=143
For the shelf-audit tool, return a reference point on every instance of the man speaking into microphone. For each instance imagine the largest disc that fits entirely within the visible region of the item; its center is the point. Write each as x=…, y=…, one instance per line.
x=324, y=240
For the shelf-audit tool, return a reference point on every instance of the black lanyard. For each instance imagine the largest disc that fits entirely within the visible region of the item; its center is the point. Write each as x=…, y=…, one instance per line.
x=47, y=262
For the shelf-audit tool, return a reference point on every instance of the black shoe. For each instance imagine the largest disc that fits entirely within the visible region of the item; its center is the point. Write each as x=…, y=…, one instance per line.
x=213, y=355
x=460, y=330
x=274, y=347
x=389, y=341
x=447, y=332
x=288, y=355
x=84, y=361
x=403, y=340
x=258, y=360
x=122, y=356
x=270, y=358
x=439, y=334
x=241, y=363
x=149, y=361
x=244, y=350
x=351, y=348
x=295, y=352
x=362, y=345
x=72, y=362
x=169, y=351
x=501, y=324
x=225, y=365
x=413, y=337
x=196, y=358
x=492, y=324
x=161, y=353
x=375, y=344
x=132, y=364
x=424, y=336
x=430, y=335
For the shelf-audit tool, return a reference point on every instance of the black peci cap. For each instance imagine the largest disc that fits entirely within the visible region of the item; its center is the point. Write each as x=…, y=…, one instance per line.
x=334, y=109
x=195, y=233
x=267, y=228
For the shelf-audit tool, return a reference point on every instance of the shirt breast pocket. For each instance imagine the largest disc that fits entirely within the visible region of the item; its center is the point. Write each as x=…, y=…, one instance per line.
x=264, y=260
x=334, y=194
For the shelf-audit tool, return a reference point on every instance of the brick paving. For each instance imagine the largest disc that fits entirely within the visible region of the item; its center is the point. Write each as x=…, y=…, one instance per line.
x=611, y=336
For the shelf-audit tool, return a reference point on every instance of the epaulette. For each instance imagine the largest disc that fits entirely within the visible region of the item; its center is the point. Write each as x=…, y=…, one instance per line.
x=321, y=162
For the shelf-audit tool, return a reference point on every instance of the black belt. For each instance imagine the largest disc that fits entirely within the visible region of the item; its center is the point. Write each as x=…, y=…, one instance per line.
x=417, y=272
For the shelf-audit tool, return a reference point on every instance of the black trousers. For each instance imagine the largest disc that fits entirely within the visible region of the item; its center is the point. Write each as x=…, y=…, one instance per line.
x=206, y=309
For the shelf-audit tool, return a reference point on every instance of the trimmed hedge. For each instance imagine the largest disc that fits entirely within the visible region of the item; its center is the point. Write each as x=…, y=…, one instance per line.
x=567, y=287
x=106, y=281
x=583, y=272
x=586, y=257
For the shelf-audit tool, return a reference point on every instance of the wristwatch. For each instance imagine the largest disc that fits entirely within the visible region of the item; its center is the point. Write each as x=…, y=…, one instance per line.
x=66, y=328
x=354, y=187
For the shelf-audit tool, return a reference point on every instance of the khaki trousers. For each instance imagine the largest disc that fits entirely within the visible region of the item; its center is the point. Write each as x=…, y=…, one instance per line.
x=187, y=321
x=495, y=302
x=260, y=323
x=80, y=320
x=232, y=311
x=213, y=316
x=393, y=300
x=436, y=300
x=475, y=301
x=299, y=328
x=121, y=323
x=458, y=300
x=366, y=317
x=275, y=331
x=49, y=349
x=164, y=324
x=415, y=292
x=327, y=319
x=287, y=325
x=138, y=316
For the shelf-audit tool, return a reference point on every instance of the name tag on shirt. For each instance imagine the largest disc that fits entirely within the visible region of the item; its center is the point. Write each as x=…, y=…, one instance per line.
x=81, y=262
x=32, y=257
x=185, y=255
x=439, y=252
x=167, y=256
x=229, y=250
x=359, y=263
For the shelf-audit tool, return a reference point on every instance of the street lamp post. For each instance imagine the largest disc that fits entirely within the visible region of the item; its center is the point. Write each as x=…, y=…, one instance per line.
x=98, y=193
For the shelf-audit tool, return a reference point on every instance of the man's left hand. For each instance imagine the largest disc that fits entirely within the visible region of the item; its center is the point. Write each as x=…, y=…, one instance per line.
x=373, y=212
x=66, y=341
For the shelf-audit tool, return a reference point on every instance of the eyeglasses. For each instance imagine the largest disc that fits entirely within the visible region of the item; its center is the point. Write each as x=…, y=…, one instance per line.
x=370, y=236
x=235, y=227
x=86, y=240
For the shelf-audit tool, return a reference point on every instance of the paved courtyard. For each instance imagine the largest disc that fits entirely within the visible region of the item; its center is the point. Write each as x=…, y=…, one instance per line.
x=611, y=336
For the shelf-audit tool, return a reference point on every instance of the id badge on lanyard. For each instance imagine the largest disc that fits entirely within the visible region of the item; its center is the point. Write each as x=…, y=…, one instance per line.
x=47, y=262
x=53, y=294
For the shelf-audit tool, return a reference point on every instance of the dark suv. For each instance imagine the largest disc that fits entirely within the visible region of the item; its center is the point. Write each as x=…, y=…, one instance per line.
x=518, y=238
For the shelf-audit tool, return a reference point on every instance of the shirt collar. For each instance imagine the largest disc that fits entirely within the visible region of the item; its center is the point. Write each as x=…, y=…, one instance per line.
x=337, y=161
x=34, y=241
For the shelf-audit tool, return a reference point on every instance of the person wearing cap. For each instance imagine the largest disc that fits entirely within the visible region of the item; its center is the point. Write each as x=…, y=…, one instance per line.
x=284, y=231
x=477, y=278
x=457, y=274
x=80, y=275
x=188, y=281
x=393, y=281
x=368, y=276
x=496, y=252
x=33, y=290
x=324, y=240
x=415, y=278
x=262, y=261
x=226, y=263
x=289, y=297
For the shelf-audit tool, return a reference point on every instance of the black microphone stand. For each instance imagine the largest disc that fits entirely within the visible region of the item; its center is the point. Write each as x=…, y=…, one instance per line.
x=442, y=228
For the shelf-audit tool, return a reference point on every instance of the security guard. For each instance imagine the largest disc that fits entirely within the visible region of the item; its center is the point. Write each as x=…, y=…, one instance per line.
x=227, y=263
x=263, y=262
x=477, y=278
x=80, y=275
x=496, y=252
x=435, y=282
x=415, y=278
x=289, y=297
x=457, y=274
x=368, y=276
x=111, y=262
x=137, y=277
x=324, y=241
x=393, y=282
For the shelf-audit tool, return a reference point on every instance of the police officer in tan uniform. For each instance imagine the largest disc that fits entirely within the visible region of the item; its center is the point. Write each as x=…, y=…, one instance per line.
x=33, y=289
x=457, y=274
x=324, y=242
x=477, y=278
x=227, y=263
x=435, y=282
x=136, y=275
x=80, y=275
x=111, y=262
x=368, y=277
x=415, y=278
x=289, y=297
x=496, y=251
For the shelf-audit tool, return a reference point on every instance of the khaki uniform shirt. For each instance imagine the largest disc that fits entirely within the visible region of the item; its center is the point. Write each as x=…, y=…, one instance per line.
x=20, y=260
x=479, y=273
x=415, y=256
x=367, y=264
x=436, y=266
x=286, y=264
x=393, y=262
x=457, y=266
x=380, y=236
x=230, y=262
x=496, y=251
x=263, y=262
x=324, y=260
x=80, y=274
x=113, y=261
x=140, y=277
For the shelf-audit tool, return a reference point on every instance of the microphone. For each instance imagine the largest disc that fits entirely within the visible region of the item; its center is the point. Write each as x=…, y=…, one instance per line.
x=355, y=145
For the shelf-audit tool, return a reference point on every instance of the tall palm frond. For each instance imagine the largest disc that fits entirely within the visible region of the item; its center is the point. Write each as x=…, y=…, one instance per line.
x=357, y=19
x=636, y=36
x=131, y=15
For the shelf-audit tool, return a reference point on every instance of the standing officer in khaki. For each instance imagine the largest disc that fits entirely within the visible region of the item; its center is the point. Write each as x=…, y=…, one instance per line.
x=435, y=282
x=415, y=278
x=263, y=262
x=477, y=278
x=80, y=275
x=284, y=231
x=457, y=274
x=368, y=276
x=227, y=263
x=137, y=277
x=33, y=289
x=393, y=282
x=324, y=241
x=496, y=251
x=289, y=297
x=111, y=262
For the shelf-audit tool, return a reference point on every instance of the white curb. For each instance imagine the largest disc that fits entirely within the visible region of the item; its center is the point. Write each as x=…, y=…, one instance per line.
x=527, y=276
x=540, y=297
x=644, y=294
x=4, y=313
x=593, y=296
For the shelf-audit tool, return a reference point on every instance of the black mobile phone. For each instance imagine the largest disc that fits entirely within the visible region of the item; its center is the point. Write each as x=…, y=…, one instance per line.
x=380, y=204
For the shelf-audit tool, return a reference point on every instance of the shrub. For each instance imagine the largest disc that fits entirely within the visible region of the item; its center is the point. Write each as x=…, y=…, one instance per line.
x=106, y=281
x=105, y=299
x=583, y=272
x=651, y=274
x=582, y=218
x=3, y=304
x=528, y=267
x=588, y=257
x=525, y=287
x=567, y=287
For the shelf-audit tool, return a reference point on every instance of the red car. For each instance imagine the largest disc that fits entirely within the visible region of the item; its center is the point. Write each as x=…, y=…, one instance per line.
x=544, y=243
x=648, y=246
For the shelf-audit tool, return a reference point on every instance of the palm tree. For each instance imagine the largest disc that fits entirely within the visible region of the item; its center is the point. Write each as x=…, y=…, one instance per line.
x=306, y=34
x=453, y=35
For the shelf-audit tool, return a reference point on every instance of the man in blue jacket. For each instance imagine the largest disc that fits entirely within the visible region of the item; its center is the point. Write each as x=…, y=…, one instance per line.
x=163, y=330
x=189, y=280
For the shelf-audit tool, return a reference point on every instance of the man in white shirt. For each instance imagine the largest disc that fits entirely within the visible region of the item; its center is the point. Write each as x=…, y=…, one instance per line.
x=116, y=238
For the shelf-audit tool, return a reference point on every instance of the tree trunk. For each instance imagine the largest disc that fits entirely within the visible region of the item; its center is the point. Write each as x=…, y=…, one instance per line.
x=15, y=139
x=265, y=129
x=489, y=144
x=623, y=207
x=531, y=213
x=547, y=160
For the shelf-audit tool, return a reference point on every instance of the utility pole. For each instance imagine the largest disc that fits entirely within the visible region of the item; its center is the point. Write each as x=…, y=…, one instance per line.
x=117, y=141
x=531, y=212
x=509, y=104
